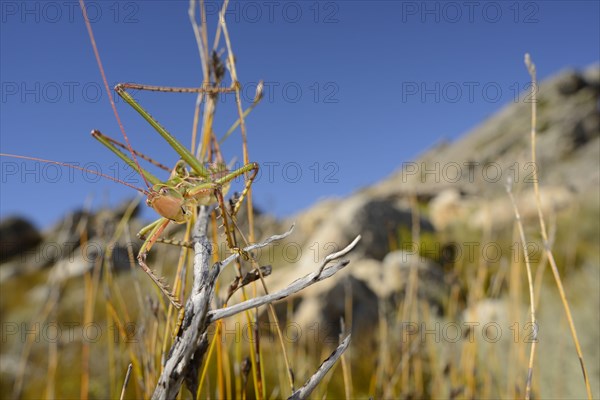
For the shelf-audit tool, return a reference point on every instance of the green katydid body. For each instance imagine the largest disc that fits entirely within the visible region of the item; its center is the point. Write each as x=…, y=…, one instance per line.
x=189, y=185
x=177, y=198
x=173, y=198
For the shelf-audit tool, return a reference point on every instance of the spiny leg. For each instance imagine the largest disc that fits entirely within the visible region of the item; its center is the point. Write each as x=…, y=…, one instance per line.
x=156, y=228
x=175, y=242
x=104, y=140
x=206, y=189
x=253, y=169
x=137, y=153
x=185, y=154
x=225, y=225
x=149, y=228
x=217, y=69
x=236, y=228
x=169, y=89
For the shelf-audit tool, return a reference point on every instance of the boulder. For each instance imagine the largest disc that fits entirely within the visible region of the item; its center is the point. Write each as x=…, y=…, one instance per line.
x=17, y=235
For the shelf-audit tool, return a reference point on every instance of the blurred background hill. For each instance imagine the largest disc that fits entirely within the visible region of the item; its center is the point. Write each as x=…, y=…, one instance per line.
x=444, y=215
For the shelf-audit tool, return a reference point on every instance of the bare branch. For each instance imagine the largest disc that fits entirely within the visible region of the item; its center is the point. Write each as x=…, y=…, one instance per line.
x=294, y=287
x=192, y=333
x=341, y=253
x=318, y=376
x=189, y=347
x=255, y=246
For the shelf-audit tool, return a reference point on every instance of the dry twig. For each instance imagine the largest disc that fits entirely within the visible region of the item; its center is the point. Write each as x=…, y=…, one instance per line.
x=190, y=346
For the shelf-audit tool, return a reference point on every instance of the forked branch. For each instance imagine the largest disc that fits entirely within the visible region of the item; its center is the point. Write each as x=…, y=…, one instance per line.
x=189, y=348
x=318, y=376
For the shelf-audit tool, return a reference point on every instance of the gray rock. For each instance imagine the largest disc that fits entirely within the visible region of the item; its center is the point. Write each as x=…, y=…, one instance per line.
x=376, y=221
x=364, y=289
x=17, y=235
x=570, y=82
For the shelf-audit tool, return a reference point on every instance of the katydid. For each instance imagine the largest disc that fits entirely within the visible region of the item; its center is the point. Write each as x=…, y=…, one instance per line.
x=175, y=199
x=190, y=183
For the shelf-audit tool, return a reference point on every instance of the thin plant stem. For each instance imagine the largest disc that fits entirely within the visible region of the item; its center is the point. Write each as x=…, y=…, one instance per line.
x=532, y=72
x=531, y=292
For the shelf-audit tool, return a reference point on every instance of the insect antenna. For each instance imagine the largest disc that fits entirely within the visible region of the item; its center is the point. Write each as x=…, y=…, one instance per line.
x=76, y=167
x=108, y=92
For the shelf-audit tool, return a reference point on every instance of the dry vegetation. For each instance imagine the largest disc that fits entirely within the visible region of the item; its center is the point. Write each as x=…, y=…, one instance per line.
x=128, y=323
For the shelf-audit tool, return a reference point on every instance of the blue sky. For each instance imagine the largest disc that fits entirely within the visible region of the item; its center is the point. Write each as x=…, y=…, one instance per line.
x=354, y=88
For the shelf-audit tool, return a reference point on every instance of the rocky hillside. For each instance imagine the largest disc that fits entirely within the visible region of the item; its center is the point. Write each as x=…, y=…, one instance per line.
x=462, y=210
x=414, y=227
x=452, y=178
x=478, y=165
x=568, y=129
x=464, y=182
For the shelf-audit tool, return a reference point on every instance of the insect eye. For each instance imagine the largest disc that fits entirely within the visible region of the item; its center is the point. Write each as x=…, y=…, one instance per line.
x=163, y=191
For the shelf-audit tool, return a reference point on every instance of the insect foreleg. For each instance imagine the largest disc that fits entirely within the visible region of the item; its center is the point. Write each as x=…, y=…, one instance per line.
x=253, y=169
x=156, y=228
